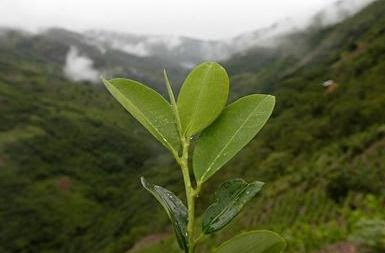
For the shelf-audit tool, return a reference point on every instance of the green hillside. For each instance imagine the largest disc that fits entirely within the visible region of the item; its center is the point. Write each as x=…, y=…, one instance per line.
x=51, y=47
x=323, y=153
x=69, y=159
x=70, y=156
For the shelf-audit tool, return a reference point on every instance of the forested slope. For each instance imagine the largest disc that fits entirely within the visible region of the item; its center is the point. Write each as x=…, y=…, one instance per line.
x=322, y=154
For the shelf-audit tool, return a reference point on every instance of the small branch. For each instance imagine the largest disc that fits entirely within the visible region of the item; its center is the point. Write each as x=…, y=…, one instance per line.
x=198, y=189
x=190, y=193
x=183, y=163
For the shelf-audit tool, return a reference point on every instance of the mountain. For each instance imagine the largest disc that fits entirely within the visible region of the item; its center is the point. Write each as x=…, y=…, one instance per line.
x=87, y=55
x=54, y=46
x=182, y=50
x=70, y=156
x=189, y=51
x=66, y=152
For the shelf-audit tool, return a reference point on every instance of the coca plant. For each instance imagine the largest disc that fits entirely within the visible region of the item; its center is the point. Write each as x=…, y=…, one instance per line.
x=220, y=131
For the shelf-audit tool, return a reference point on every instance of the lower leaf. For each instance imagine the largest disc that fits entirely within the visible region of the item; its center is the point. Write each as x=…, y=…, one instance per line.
x=176, y=210
x=230, y=198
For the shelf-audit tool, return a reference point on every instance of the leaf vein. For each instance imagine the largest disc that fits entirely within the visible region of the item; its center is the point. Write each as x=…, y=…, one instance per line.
x=230, y=140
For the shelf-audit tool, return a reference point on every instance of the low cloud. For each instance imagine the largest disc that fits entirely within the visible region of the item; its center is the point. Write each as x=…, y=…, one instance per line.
x=79, y=67
x=338, y=11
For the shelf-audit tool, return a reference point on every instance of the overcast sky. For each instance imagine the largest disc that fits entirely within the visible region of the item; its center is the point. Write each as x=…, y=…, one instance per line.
x=206, y=19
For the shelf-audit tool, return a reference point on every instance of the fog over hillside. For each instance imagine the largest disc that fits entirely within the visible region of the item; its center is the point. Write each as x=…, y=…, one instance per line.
x=80, y=68
x=179, y=51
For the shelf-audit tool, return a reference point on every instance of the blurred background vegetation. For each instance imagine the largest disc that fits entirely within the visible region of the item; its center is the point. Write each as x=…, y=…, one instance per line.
x=70, y=156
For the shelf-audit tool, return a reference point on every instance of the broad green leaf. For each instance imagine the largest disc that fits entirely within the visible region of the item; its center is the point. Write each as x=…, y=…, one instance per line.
x=149, y=108
x=234, y=128
x=202, y=97
x=260, y=241
x=176, y=210
x=229, y=201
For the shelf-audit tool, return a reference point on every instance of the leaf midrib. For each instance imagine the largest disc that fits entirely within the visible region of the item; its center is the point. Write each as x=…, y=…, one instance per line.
x=188, y=127
x=145, y=118
x=230, y=140
x=171, y=214
x=234, y=200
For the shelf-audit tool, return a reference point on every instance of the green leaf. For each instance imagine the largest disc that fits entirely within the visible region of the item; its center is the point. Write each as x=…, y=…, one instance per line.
x=149, y=108
x=229, y=201
x=176, y=210
x=260, y=241
x=234, y=128
x=202, y=97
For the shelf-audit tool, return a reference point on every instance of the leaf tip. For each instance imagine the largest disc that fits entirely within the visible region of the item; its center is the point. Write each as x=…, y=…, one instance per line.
x=272, y=98
x=260, y=183
x=143, y=182
x=105, y=81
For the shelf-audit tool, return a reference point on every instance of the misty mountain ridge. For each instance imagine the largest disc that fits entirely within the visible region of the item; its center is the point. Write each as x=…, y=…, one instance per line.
x=189, y=51
x=85, y=56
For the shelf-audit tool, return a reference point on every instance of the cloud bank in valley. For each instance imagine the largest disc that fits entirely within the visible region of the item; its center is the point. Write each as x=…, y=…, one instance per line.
x=79, y=67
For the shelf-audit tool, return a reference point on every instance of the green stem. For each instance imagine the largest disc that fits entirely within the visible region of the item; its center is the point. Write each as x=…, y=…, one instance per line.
x=191, y=194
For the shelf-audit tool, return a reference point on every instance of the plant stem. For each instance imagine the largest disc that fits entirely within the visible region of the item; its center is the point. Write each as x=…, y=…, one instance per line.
x=190, y=193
